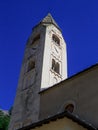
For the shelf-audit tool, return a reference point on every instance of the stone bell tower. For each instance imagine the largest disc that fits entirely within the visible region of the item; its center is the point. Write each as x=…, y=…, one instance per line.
x=44, y=64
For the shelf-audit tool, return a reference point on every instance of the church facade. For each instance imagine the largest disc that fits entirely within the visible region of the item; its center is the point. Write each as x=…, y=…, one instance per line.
x=44, y=89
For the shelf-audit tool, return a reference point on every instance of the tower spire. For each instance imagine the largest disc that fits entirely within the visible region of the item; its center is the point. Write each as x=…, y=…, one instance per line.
x=49, y=20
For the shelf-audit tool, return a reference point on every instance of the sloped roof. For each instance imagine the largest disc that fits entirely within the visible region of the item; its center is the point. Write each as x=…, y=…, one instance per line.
x=67, y=114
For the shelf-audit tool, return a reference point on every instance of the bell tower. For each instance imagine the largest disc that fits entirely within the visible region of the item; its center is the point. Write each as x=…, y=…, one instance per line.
x=54, y=67
x=44, y=64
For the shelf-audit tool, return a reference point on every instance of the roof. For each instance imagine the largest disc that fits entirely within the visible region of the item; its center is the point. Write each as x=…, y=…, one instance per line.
x=49, y=20
x=66, y=114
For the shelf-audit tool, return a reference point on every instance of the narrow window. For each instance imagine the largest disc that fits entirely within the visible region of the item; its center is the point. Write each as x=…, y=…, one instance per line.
x=31, y=65
x=56, y=39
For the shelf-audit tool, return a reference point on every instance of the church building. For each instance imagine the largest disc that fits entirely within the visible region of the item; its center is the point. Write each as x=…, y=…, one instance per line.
x=45, y=96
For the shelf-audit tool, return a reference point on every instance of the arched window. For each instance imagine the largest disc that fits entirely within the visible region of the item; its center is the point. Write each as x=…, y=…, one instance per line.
x=56, y=39
x=55, y=66
x=31, y=65
x=69, y=107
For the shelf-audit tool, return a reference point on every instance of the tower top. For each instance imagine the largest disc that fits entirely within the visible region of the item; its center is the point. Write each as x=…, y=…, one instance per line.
x=49, y=20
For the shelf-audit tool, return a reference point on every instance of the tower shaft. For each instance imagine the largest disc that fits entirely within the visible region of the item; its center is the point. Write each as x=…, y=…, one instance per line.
x=44, y=64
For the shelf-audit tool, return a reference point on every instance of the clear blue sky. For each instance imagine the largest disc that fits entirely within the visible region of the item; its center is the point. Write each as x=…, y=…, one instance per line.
x=78, y=20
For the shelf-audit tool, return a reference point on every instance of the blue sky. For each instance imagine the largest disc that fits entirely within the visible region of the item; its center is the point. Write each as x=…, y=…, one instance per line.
x=78, y=20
